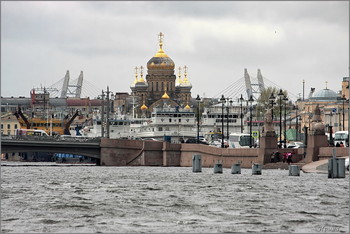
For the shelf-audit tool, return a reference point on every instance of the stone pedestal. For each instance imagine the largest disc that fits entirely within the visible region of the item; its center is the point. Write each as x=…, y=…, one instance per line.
x=314, y=142
x=268, y=144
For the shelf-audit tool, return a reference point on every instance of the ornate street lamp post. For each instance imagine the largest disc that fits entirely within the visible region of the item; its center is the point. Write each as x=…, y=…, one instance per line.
x=306, y=136
x=285, y=99
x=241, y=114
x=272, y=102
x=343, y=99
x=102, y=114
x=198, y=99
x=331, y=142
x=222, y=100
x=112, y=103
x=250, y=122
x=280, y=94
x=227, y=118
x=296, y=123
x=107, y=111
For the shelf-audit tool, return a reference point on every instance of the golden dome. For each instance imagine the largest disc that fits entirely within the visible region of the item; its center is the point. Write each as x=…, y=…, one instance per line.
x=135, y=81
x=144, y=107
x=187, y=107
x=161, y=60
x=165, y=95
x=141, y=82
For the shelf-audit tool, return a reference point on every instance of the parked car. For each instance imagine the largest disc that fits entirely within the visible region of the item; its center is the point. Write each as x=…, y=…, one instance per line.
x=149, y=139
x=347, y=163
x=194, y=141
x=295, y=144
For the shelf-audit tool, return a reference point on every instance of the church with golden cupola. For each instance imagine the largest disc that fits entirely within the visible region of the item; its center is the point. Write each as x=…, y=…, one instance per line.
x=160, y=85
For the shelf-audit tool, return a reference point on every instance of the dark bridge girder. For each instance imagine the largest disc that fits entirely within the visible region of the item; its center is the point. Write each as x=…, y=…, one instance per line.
x=89, y=149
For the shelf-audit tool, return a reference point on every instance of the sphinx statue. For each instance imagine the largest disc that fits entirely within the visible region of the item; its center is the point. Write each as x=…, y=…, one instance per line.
x=318, y=128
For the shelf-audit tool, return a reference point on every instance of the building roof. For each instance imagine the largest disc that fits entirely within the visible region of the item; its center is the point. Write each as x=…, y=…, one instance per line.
x=324, y=95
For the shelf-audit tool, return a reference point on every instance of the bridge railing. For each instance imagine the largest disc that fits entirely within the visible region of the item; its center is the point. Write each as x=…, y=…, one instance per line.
x=53, y=139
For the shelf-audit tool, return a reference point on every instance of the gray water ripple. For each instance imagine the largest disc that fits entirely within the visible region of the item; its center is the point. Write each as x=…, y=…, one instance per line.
x=159, y=199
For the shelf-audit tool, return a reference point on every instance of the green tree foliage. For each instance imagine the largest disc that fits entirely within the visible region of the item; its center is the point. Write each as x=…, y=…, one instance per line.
x=264, y=103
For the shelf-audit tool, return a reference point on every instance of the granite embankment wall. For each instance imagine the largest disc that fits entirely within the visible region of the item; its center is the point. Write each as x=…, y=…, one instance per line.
x=211, y=155
x=120, y=152
x=327, y=152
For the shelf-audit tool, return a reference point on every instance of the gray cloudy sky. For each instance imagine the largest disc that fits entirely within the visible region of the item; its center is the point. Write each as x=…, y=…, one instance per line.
x=288, y=41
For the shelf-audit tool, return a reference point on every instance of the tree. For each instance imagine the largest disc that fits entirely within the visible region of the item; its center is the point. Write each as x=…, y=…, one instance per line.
x=264, y=103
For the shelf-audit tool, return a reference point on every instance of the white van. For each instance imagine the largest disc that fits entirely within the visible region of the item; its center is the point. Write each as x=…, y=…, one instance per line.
x=341, y=136
x=30, y=132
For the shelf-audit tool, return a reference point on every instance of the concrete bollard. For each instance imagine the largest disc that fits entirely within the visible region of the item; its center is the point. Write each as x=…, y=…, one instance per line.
x=336, y=168
x=256, y=169
x=196, y=163
x=218, y=168
x=294, y=170
x=236, y=168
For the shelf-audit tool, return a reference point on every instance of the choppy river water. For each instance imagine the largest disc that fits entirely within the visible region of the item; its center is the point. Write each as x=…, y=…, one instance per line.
x=89, y=199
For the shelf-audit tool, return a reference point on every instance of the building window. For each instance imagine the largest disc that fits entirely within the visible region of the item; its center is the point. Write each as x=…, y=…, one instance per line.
x=15, y=126
x=2, y=126
x=157, y=86
x=8, y=126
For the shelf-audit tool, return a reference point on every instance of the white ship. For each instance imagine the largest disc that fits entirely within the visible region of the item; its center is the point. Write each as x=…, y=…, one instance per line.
x=168, y=123
x=119, y=127
x=172, y=124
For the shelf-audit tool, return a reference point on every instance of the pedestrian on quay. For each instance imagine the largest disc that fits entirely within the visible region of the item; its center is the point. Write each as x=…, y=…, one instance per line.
x=285, y=156
x=277, y=156
x=289, y=158
x=341, y=144
x=337, y=145
x=273, y=157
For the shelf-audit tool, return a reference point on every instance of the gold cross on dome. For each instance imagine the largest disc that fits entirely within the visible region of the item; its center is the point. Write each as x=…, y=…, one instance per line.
x=141, y=70
x=136, y=71
x=161, y=36
x=179, y=71
x=185, y=70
